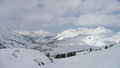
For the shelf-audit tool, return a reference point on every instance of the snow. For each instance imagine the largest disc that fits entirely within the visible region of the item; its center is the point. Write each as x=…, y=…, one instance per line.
x=67, y=34
x=84, y=36
x=109, y=58
x=41, y=33
x=94, y=41
x=22, y=39
x=19, y=52
x=22, y=32
x=34, y=33
x=37, y=36
x=25, y=58
x=22, y=58
x=10, y=39
x=70, y=33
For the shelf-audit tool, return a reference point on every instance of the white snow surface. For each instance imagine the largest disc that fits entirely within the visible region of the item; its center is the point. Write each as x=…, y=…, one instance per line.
x=70, y=33
x=99, y=36
x=109, y=58
x=22, y=58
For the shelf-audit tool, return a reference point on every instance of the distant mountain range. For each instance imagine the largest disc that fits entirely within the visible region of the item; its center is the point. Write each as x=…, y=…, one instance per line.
x=99, y=36
x=33, y=47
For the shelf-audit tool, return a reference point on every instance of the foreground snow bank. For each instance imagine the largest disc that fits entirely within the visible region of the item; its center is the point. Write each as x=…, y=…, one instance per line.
x=22, y=58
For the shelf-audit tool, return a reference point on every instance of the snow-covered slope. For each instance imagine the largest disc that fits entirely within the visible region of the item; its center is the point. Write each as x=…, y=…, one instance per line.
x=9, y=39
x=38, y=33
x=38, y=36
x=22, y=58
x=70, y=33
x=23, y=39
x=99, y=36
x=25, y=58
x=109, y=58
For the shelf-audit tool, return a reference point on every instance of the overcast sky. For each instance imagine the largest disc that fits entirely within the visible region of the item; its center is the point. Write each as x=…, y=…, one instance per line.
x=57, y=15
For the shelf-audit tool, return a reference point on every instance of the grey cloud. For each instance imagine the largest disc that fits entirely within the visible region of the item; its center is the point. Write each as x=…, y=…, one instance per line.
x=51, y=13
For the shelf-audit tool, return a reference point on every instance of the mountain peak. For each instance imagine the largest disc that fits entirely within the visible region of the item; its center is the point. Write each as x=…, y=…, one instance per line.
x=70, y=33
x=102, y=29
x=38, y=33
x=41, y=32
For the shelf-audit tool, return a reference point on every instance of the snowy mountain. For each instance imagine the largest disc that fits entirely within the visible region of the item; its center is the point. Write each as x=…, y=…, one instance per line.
x=38, y=49
x=38, y=33
x=24, y=39
x=99, y=36
x=37, y=36
x=72, y=37
x=71, y=33
x=9, y=39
